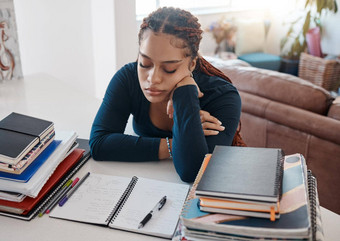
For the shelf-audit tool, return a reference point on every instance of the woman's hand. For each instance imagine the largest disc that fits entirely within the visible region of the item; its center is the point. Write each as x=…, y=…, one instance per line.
x=211, y=125
x=185, y=81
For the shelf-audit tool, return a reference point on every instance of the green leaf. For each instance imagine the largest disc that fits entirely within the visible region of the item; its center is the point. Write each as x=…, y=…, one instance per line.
x=304, y=46
x=320, y=5
x=306, y=24
x=283, y=42
x=290, y=31
x=335, y=7
x=296, y=46
x=330, y=4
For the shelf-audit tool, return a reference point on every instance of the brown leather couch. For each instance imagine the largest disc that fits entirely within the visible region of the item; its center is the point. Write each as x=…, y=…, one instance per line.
x=284, y=111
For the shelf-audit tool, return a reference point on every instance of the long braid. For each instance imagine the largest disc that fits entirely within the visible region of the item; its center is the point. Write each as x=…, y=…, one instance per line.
x=183, y=25
x=209, y=69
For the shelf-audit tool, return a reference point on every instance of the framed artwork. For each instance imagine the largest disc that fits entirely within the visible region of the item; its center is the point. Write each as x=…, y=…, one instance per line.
x=10, y=64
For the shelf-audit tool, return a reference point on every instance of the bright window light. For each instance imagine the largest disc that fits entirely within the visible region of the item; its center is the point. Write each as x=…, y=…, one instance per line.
x=197, y=7
x=144, y=7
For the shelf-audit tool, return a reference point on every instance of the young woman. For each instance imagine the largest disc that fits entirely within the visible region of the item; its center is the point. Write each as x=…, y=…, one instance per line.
x=182, y=106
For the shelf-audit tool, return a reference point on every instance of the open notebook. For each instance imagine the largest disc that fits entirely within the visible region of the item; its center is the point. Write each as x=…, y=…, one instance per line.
x=121, y=203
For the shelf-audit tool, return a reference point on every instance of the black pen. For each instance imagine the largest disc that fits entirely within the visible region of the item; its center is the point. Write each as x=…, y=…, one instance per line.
x=158, y=207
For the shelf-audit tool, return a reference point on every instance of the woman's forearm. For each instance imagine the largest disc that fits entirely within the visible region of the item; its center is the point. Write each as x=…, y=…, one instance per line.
x=188, y=144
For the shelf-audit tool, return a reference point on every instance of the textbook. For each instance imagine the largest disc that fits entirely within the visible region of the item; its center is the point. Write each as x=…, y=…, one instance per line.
x=122, y=203
x=28, y=203
x=244, y=173
x=19, y=134
x=299, y=210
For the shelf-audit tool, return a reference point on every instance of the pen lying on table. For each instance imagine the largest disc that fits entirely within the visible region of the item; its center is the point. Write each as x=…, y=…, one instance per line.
x=69, y=194
x=158, y=207
x=56, y=198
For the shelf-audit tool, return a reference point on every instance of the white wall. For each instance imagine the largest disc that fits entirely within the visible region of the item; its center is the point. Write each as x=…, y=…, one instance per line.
x=75, y=40
x=55, y=37
x=127, y=41
x=330, y=41
x=104, y=44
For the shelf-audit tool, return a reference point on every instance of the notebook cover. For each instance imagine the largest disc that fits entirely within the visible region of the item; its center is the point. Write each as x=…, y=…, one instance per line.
x=243, y=172
x=28, y=203
x=13, y=141
x=295, y=220
x=34, y=166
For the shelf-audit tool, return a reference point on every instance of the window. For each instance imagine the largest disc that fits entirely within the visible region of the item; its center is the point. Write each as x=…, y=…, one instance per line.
x=144, y=7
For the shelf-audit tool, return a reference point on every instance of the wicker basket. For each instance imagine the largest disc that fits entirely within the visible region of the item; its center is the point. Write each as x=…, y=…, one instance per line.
x=322, y=72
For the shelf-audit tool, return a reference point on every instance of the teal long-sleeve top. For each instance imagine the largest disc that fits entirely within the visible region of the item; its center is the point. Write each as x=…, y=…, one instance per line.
x=189, y=145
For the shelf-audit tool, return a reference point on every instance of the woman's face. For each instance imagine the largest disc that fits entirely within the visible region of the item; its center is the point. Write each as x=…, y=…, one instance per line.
x=161, y=65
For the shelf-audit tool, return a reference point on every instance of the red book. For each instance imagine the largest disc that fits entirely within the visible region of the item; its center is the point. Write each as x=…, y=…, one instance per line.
x=29, y=203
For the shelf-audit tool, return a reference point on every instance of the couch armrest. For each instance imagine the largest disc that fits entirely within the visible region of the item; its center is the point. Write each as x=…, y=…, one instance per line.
x=318, y=125
x=334, y=110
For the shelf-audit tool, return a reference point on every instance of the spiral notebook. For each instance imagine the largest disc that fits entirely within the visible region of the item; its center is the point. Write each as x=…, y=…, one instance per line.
x=299, y=208
x=243, y=173
x=122, y=202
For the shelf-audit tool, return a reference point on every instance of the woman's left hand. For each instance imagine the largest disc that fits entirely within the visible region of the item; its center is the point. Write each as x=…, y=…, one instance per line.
x=211, y=125
x=185, y=81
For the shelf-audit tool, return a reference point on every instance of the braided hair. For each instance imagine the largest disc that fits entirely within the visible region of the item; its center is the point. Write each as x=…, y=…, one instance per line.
x=183, y=25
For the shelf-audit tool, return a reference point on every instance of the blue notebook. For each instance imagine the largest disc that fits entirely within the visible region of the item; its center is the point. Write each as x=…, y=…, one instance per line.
x=34, y=166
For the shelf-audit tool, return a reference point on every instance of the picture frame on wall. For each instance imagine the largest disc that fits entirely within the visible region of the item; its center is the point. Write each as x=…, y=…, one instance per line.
x=10, y=63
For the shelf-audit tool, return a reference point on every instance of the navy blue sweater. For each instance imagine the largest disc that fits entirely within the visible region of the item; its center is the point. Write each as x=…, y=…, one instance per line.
x=189, y=145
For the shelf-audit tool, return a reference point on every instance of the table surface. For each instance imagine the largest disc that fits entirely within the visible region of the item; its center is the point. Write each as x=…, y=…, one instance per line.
x=45, y=97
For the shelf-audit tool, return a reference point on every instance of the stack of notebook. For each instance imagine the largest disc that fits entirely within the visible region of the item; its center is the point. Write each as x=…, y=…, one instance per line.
x=298, y=206
x=35, y=161
x=242, y=181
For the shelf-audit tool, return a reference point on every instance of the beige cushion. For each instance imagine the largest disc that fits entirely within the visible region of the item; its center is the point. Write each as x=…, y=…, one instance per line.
x=250, y=36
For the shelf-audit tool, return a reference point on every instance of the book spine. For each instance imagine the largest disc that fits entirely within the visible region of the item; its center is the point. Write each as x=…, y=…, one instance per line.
x=279, y=174
x=115, y=211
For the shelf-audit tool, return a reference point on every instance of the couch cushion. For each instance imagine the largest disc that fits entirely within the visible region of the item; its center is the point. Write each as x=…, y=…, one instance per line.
x=295, y=118
x=262, y=60
x=281, y=87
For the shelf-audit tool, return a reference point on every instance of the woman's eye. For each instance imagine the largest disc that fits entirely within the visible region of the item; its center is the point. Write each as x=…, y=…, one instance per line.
x=170, y=72
x=143, y=66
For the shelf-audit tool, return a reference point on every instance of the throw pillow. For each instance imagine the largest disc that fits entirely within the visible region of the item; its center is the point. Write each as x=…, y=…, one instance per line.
x=250, y=36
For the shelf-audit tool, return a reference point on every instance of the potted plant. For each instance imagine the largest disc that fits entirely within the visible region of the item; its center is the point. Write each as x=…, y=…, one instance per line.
x=294, y=42
x=223, y=32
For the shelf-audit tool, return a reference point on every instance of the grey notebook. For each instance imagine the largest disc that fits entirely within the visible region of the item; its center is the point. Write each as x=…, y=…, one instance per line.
x=248, y=173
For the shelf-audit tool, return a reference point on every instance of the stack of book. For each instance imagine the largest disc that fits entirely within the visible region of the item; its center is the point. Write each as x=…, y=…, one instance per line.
x=225, y=197
x=248, y=182
x=35, y=161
